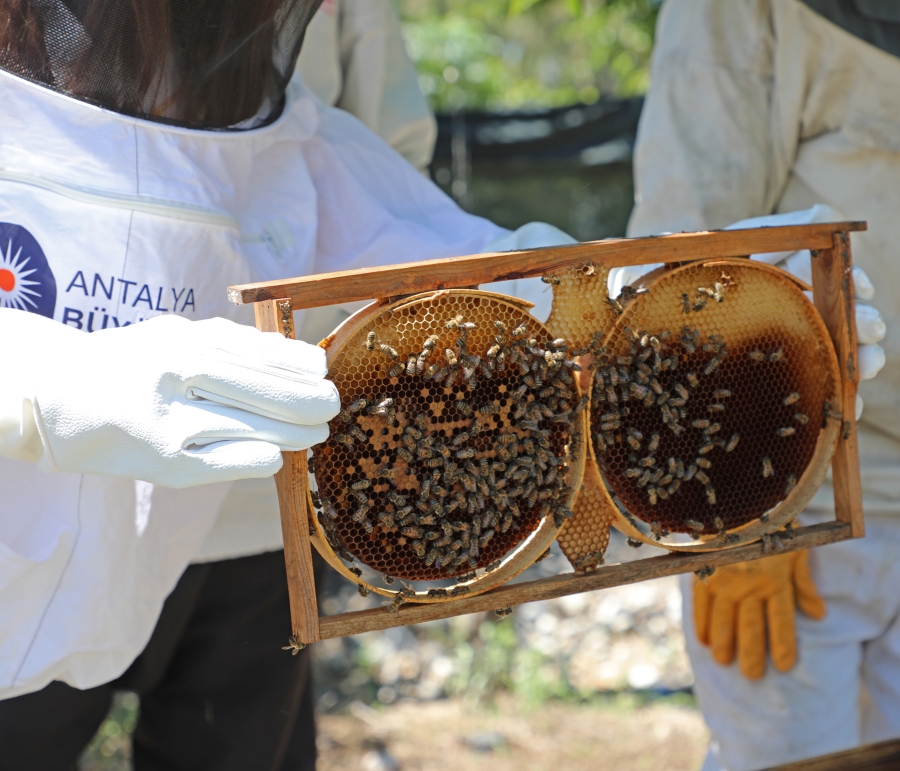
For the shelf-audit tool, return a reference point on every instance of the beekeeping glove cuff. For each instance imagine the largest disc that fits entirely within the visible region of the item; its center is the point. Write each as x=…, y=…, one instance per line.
x=175, y=402
x=740, y=606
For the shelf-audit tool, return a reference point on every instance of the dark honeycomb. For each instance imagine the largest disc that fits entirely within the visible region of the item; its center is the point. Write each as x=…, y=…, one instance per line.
x=769, y=347
x=434, y=408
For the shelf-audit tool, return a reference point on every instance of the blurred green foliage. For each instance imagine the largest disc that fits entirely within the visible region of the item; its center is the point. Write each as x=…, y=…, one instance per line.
x=513, y=54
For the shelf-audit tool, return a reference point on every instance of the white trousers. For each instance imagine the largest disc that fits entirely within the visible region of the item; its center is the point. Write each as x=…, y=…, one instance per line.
x=844, y=690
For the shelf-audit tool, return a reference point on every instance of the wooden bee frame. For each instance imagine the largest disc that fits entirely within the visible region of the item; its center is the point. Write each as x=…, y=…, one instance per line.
x=275, y=301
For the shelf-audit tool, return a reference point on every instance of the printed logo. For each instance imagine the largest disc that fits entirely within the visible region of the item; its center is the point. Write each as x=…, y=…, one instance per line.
x=26, y=281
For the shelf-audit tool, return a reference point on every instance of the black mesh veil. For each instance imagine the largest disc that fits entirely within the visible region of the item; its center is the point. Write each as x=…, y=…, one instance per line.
x=208, y=64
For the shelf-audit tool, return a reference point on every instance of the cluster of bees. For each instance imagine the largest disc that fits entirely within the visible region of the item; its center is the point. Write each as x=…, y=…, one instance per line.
x=448, y=493
x=634, y=379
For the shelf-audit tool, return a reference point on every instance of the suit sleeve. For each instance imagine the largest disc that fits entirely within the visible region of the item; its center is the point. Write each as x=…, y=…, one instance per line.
x=707, y=153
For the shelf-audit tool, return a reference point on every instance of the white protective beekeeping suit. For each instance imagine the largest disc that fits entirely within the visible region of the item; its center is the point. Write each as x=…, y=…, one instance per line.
x=354, y=58
x=764, y=106
x=121, y=205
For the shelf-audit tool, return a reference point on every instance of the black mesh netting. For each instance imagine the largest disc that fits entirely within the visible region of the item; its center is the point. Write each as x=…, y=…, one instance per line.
x=209, y=64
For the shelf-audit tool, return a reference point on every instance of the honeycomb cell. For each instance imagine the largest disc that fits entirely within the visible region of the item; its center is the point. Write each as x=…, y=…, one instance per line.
x=458, y=416
x=582, y=313
x=709, y=398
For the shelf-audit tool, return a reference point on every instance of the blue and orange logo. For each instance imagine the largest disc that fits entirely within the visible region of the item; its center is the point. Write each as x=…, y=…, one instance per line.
x=26, y=281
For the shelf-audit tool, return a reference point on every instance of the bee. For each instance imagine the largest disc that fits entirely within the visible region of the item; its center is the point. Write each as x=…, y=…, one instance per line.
x=790, y=484
x=615, y=305
x=653, y=446
x=700, y=424
x=705, y=292
x=345, y=439
x=489, y=409
x=455, y=322
x=659, y=532
x=370, y=341
x=694, y=526
x=714, y=428
x=791, y=399
x=521, y=330
x=692, y=379
x=767, y=468
x=639, y=391
x=363, y=484
x=732, y=443
x=712, y=365
x=714, y=408
x=685, y=303
x=710, y=495
x=552, y=280
x=294, y=646
x=468, y=452
x=387, y=520
x=719, y=293
x=787, y=431
x=394, y=605
x=706, y=448
x=757, y=356
x=357, y=406
x=703, y=462
x=705, y=573
x=388, y=351
x=700, y=304
x=801, y=418
x=776, y=355
x=701, y=477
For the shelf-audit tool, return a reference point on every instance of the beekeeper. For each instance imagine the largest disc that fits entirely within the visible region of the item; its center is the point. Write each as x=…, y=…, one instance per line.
x=152, y=154
x=762, y=107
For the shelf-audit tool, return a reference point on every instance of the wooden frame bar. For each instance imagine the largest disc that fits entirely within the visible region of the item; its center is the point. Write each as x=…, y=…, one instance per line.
x=290, y=481
x=458, y=272
x=833, y=295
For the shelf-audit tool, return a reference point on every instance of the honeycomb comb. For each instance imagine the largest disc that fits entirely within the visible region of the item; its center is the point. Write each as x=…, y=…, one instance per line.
x=713, y=405
x=439, y=465
x=579, y=313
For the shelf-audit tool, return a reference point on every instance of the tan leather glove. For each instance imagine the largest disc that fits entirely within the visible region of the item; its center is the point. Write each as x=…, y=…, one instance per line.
x=733, y=609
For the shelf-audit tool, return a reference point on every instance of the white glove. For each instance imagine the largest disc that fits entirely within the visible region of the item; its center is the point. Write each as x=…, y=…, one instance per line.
x=169, y=401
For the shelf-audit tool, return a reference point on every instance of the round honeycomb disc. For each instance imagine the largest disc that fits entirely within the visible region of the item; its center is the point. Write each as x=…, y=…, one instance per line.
x=462, y=459
x=712, y=409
